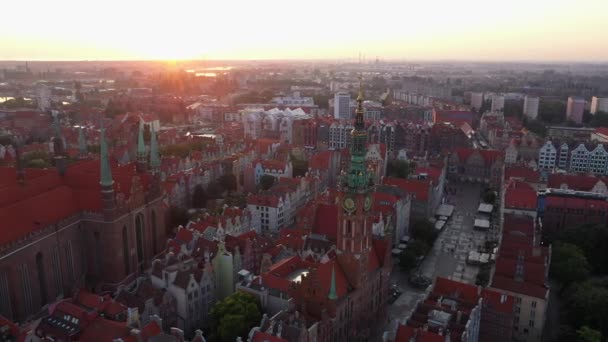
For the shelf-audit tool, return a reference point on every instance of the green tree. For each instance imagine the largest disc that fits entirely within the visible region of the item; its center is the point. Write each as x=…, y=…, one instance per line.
x=599, y=120
x=568, y=264
x=423, y=230
x=234, y=316
x=410, y=257
x=592, y=240
x=399, y=168
x=552, y=112
x=586, y=334
x=199, y=197
x=489, y=196
x=37, y=163
x=587, y=305
x=266, y=182
x=300, y=167
x=535, y=126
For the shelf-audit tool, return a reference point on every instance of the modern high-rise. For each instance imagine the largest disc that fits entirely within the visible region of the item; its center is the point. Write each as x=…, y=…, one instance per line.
x=498, y=103
x=531, y=107
x=599, y=104
x=342, y=106
x=476, y=100
x=575, y=109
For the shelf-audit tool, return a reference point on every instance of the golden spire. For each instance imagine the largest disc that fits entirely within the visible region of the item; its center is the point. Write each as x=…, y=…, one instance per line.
x=360, y=97
x=359, y=125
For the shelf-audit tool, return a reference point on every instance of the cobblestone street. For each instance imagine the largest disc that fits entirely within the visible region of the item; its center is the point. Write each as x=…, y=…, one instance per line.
x=448, y=256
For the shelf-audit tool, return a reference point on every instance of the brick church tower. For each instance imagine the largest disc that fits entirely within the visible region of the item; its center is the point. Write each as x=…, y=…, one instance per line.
x=354, y=235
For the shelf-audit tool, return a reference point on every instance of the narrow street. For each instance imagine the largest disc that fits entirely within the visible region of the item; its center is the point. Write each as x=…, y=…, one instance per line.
x=447, y=257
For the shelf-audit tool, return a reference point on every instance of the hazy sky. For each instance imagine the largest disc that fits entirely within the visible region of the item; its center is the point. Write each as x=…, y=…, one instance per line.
x=273, y=29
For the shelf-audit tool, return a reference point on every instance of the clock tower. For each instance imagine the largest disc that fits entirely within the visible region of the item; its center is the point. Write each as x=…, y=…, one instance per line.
x=354, y=235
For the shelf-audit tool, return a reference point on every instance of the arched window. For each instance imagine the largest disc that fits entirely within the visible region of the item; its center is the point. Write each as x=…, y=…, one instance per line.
x=41, y=279
x=154, y=232
x=139, y=235
x=125, y=250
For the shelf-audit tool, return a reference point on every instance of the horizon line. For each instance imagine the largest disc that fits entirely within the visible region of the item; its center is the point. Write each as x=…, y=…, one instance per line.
x=332, y=60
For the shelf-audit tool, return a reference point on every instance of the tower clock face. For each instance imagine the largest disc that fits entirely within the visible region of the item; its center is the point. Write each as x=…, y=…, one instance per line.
x=349, y=204
x=368, y=203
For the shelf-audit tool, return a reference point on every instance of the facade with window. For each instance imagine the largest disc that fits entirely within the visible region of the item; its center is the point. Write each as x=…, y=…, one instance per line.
x=92, y=224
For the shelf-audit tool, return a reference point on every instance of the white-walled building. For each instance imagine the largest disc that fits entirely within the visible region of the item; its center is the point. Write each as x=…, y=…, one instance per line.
x=547, y=156
x=476, y=100
x=295, y=100
x=498, y=103
x=342, y=108
x=599, y=104
x=339, y=135
x=575, y=109
x=192, y=287
x=531, y=104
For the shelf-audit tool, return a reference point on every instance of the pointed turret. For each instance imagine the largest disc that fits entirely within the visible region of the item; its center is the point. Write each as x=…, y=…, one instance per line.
x=357, y=177
x=154, y=157
x=332, y=288
x=106, y=172
x=141, y=150
x=82, y=143
x=106, y=181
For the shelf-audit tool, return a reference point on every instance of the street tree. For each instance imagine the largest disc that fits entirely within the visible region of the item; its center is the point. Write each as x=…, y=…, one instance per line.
x=234, y=316
x=568, y=264
x=266, y=182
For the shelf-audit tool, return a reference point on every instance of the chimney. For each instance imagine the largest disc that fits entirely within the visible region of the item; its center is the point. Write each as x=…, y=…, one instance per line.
x=280, y=329
x=178, y=334
x=458, y=316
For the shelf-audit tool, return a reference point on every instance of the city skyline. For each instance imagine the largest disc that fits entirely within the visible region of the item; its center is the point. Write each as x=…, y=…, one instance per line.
x=433, y=30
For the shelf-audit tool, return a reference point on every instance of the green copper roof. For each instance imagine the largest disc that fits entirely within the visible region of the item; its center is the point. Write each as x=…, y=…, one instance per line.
x=357, y=178
x=154, y=157
x=332, y=289
x=106, y=171
x=141, y=145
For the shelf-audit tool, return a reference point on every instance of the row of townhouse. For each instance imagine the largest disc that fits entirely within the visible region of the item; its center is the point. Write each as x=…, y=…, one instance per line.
x=575, y=158
x=277, y=207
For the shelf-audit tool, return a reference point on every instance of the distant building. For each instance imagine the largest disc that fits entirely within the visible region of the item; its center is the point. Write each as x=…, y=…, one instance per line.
x=531, y=107
x=599, y=104
x=294, y=100
x=342, y=106
x=569, y=133
x=575, y=109
x=498, y=103
x=476, y=100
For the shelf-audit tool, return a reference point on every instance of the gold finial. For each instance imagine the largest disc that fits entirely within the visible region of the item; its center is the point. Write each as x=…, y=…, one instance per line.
x=360, y=97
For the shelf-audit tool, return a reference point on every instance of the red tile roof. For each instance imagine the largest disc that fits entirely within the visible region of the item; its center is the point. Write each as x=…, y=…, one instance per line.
x=326, y=220
x=489, y=156
x=420, y=188
x=521, y=172
x=572, y=182
x=498, y=301
x=405, y=333
x=520, y=195
x=260, y=336
x=432, y=172
x=602, y=131
x=324, y=272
